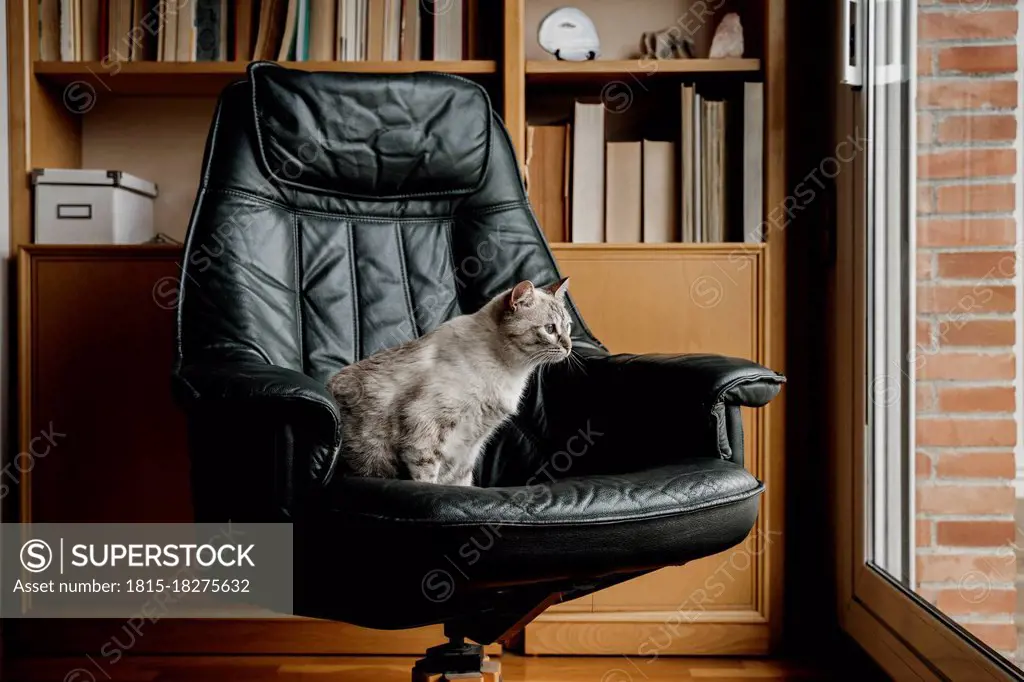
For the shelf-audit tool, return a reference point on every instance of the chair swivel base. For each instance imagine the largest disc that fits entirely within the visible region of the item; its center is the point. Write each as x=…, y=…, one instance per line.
x=456, y=660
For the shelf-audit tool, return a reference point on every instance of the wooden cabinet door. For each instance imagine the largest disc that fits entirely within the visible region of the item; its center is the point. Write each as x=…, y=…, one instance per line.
x=672, y=299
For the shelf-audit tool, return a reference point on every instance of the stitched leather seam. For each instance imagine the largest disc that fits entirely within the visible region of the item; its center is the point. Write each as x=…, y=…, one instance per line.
x=774, y=379
x=451, y=262
x=496, y=208
x=327, y=214
x=355, y=292
x=405, y=280
x=298, y=292
x=725, y=501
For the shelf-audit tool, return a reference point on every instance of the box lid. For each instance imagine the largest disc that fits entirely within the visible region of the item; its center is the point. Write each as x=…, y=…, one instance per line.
x=93, y=176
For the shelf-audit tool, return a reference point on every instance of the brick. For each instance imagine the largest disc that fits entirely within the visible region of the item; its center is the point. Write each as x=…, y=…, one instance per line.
x=977, y=265
x=965, y=366
x=925, y=203
x=934, y=568
x=978, y=59
x=947, y=432
x=922, y=465
x=999, y=636
x=978, y=298
x=993, y=464
x=964, y=499
x=977, y=128
x=925, y=61
x=924, y=336
x=978, y=333
x=923, y=533
x=925, y=128
x=966, y=232
x=960, y=25
x=1001, y=198
x=966, y=163
x=924, y=266
x=971, y=597
x=976, y=399
x=969, y=5
x=975, y=533
x=962, y=93
x=925, y=397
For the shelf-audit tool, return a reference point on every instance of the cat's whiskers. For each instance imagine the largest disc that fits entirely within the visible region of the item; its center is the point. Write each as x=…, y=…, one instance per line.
x=576, y=362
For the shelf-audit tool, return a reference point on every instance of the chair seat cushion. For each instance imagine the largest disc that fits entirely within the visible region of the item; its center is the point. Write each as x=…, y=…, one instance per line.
x=415, y=546
x=682, y=488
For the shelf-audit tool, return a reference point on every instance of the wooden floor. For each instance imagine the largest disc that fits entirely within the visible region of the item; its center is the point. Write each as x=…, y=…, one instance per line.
x=366, y=669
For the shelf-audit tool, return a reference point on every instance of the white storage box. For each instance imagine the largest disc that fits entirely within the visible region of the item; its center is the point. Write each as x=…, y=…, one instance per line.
x=90, y=206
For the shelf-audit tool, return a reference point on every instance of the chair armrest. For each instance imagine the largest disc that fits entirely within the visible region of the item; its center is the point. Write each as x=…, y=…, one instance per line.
x=245, y=393
x=698, y=379
x=693, y=397
x=616, y=413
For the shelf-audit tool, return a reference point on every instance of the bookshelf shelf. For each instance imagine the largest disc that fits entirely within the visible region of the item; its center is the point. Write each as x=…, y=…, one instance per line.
x=554, y=71
x=715, y=247
x=208, y=78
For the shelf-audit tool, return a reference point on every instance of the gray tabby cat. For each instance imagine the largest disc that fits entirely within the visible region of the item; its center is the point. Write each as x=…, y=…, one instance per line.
x=425, y=409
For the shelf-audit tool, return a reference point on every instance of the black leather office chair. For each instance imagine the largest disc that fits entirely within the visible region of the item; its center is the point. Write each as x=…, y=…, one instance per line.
x=339, y=214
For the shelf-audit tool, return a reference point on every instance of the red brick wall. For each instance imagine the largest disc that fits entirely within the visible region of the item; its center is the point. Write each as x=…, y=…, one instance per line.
x=967, y=231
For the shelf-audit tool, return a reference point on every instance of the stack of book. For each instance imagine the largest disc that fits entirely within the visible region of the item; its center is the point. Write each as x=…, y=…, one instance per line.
x=586, y=189
x=244, y=30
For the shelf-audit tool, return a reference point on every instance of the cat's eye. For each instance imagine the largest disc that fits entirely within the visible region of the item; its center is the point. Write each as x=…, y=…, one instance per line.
x=549, y=328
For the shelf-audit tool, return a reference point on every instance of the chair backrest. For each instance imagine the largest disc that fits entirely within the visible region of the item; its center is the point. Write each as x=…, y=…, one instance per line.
x=340, y=214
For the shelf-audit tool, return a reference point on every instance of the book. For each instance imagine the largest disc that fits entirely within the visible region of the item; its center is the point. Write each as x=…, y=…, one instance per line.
x=271, y=26
x=243, y=33
x=587, y=223
x=714, y=172
x=49, y=30
x=375, y=27
x=185, y=47
x=90, y=25
x=547, y=172
x=322, y=24
x=753, y=162
x=698, y=168
x=447, y=21
x=623, y=192
x=410, y=49
x=207, y=30
x=687, y=199
x=659, y=192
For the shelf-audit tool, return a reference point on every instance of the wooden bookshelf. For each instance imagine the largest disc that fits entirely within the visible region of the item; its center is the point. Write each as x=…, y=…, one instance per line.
x=209, y=78
x=152, y=118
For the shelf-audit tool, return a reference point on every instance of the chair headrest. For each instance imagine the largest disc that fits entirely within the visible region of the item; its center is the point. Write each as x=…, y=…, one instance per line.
x=370, y=135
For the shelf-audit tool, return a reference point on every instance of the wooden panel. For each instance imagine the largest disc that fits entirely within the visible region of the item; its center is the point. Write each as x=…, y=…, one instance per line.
x=514, y=79
x=97, y=332
x=209, y=78
x=647, y=640
x=100, y=347
x=672, y=299
x=556, y=71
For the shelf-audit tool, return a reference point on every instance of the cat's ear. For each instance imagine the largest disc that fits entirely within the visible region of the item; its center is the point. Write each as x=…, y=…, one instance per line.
x=559, y=288
x=521, y=295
